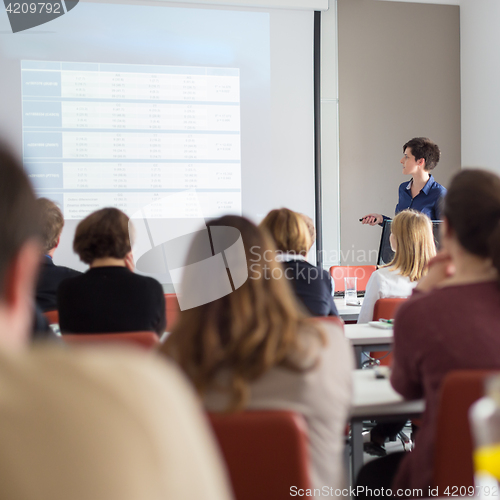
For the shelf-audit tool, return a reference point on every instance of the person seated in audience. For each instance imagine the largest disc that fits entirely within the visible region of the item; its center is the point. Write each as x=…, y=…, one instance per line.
x=52, y=222
x=86, y=424
x=256, y=349
x=450, y=323
x=109, y=297
x=312, y=284
x=412, y=241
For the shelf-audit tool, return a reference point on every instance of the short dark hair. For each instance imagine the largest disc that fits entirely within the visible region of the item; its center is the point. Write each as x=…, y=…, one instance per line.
x=18, y=213
x=423, y=147
x=472, y=208
x=52, y=223
x=104, y=233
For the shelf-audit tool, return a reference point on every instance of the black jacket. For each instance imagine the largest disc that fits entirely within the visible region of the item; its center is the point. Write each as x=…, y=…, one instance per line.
x=48, y=282
x=312, y=285
x=111, y=299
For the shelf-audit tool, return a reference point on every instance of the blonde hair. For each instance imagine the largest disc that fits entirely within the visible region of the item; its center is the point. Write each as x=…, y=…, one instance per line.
x=289, y=230
x=414, y=243
x=249, y=331
x=310, y=226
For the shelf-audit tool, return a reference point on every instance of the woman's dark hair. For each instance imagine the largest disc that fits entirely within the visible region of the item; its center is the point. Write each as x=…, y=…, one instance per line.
x=472, y=208
x=104, y=233
x=422, y=147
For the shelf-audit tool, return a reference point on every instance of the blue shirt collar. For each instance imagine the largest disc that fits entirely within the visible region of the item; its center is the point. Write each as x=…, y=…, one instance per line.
x=426, y=188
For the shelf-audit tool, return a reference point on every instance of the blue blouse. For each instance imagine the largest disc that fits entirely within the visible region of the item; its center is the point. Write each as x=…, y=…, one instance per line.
x=427, y=201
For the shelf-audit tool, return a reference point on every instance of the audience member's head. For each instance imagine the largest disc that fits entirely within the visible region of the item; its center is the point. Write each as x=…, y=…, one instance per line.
x=103, y=234
x=19, y=251
x=248, y=331
x=413, y=242
x=289, y=231
x=310, y=226
x=472, y=214
x=52, y=222
x=422, y=147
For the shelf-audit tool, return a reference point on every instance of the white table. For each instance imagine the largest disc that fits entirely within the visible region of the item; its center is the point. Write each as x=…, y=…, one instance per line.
x=375, y=399
x=366, y=338
x=347, y=313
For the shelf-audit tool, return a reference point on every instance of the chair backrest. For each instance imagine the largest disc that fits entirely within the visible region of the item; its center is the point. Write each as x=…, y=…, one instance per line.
x=52, y=317
x=386, y=308
x=266, y=452
x=146, y=340
x=453, y=443
x=172, y=309
x=363, y=273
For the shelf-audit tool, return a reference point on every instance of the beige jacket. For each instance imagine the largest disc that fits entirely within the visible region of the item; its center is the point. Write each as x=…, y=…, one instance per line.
x=322, y=396
x=102, y=425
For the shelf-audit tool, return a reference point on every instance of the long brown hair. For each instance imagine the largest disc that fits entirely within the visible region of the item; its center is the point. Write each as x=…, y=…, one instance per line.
x=472, y=209
x=249, y=331
x=414, y=243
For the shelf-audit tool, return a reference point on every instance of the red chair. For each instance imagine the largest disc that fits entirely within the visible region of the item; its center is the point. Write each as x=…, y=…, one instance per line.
x=145, y=340
x=453, y=444
x=265, y=452
x=363, y=273
x=172, y=309
x=52, y=317
x=385, y=308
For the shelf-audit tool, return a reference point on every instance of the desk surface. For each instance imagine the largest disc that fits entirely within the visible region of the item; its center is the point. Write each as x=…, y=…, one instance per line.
x=365, y=334
x=375, y=397
x=347, y=313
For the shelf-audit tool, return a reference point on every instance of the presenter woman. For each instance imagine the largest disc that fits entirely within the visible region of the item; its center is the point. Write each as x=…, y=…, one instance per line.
x=422, y=192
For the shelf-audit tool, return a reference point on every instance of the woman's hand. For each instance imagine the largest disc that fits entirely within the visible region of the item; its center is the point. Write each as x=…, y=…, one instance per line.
x=372, y=219
x=439, y=269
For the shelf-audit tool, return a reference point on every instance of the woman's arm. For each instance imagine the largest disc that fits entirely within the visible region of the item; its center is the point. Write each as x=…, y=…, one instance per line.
x=372, y=219
x=372, y=294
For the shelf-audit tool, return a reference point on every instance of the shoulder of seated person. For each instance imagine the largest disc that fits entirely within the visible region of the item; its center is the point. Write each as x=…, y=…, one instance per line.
x=114, y=364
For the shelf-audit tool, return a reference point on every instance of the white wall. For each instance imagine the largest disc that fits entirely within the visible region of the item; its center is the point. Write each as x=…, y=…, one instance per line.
x=268, y=4
x=442, y=2
x=394, y=84
x=480, y=47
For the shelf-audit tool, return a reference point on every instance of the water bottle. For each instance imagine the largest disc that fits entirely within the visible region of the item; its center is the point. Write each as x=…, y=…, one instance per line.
x=484, y=417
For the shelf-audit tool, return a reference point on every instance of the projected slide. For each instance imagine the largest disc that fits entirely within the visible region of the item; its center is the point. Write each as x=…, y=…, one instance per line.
x=97, y=134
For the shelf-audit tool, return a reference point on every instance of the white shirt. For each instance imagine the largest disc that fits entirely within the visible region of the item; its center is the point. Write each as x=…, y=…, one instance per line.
x=384, y=283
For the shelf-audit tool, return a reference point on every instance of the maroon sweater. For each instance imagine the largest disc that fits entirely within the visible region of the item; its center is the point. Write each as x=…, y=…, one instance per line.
x=450, y=328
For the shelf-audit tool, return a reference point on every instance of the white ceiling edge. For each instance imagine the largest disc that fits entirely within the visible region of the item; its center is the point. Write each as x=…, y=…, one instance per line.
x=267, y=4
x=439, y=2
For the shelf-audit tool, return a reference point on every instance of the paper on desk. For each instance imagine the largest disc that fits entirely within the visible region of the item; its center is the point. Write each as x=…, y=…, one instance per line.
x=379, y=324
